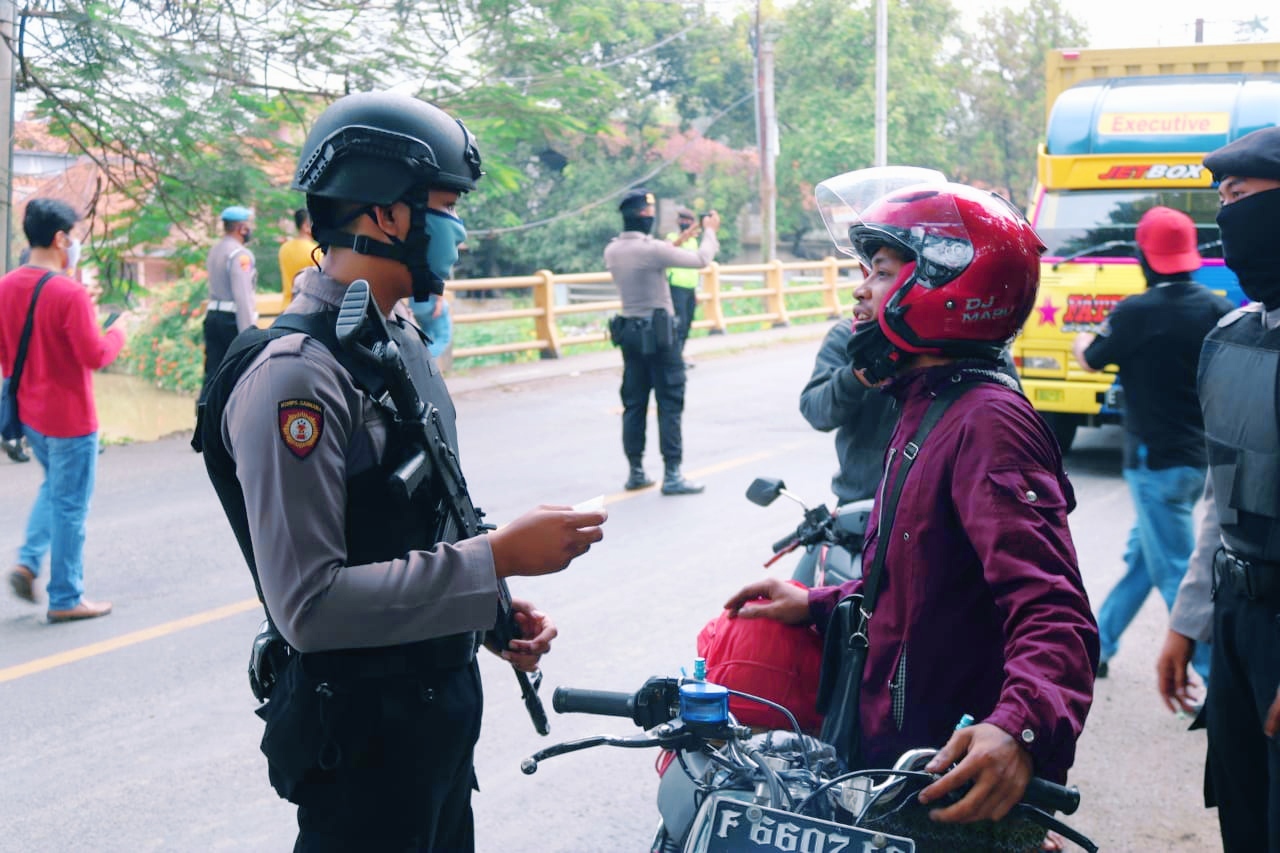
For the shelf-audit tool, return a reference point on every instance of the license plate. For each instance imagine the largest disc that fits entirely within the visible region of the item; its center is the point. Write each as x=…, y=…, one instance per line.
x=738, y=827
x=1049, y=395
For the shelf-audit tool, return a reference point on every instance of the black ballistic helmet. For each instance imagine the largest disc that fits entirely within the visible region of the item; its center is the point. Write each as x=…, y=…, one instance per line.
x=382, y=147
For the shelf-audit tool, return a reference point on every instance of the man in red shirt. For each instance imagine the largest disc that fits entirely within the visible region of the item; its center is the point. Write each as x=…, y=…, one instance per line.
x=55, y=403
x=982, y=610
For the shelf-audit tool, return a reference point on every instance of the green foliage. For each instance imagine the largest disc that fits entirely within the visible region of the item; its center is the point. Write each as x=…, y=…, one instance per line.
x=188, y=107
x=1000, y=116
x=167, y=345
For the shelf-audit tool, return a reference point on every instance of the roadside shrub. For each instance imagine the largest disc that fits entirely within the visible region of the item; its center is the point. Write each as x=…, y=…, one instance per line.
x=166, y=345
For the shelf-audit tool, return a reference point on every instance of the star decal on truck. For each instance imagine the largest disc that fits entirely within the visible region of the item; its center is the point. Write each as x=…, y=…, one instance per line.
x=1048, y=312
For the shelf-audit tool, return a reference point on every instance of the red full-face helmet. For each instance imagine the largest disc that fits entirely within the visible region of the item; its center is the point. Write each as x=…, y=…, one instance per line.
x=973, y=267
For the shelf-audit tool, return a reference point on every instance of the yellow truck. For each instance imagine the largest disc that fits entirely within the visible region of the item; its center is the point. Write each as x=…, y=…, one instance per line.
x=1126, y=130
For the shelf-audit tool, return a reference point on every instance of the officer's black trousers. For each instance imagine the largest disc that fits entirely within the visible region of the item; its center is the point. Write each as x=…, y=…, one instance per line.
x=405, y=772
x=1244, y=764
x=219, y=331
x=685, y=301
x=661, y=372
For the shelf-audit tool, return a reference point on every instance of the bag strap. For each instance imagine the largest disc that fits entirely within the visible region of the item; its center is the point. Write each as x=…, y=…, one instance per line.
x=889, y=506
x=21, y=358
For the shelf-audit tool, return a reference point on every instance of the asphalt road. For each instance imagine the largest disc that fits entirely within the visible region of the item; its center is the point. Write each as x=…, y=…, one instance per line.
x=136, y=732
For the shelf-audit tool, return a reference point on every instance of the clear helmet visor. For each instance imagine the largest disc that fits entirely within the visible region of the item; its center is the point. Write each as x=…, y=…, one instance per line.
x=842, y=199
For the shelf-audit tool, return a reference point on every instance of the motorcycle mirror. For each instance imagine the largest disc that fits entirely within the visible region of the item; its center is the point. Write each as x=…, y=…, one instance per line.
x=763, y=492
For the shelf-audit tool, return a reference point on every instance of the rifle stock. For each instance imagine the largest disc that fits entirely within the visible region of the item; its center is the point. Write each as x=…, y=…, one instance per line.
x=359, y=320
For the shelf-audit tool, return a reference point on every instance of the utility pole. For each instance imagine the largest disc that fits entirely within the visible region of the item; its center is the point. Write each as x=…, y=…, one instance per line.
x=8, y=19
x=767, y=139
x=882, y=82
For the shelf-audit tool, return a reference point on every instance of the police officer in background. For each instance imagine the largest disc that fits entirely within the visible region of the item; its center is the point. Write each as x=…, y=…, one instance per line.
x=647, y=332
x=233, y=275
x=372, y=724
x=1239, y=386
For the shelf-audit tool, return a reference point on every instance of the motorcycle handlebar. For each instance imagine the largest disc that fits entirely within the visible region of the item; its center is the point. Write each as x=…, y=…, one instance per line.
x=571, y=700
x=1051, y=797
x=786, y=543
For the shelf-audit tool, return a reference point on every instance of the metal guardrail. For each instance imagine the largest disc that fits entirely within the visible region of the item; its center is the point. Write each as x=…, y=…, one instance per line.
x=771, y=284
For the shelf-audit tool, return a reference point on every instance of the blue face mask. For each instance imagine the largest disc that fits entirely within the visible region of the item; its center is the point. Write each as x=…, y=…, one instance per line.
x=445, y=233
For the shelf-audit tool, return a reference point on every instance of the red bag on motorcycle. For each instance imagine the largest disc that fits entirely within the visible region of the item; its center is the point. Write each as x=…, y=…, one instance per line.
x=768, y=659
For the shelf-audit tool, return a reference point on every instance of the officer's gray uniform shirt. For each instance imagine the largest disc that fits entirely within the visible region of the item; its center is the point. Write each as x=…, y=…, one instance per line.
x=638, y=263
x=232, y=279
x=297, y=427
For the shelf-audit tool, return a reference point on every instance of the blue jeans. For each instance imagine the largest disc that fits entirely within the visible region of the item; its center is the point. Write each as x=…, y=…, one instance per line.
x=1160, y=545
x=57, y=522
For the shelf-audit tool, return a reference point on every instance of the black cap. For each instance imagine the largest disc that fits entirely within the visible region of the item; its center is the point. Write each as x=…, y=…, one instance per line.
x=1254, y=155
x=634, y=199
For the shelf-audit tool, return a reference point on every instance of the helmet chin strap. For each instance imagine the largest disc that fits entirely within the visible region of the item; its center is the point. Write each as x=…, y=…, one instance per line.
x=871, y=352
x=411, y=252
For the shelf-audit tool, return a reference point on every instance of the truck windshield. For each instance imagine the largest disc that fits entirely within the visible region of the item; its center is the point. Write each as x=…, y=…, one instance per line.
x=1072, y=221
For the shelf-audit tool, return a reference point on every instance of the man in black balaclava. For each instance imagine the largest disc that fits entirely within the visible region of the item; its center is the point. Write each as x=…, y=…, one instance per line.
x=650, y=340
x=1239, y=386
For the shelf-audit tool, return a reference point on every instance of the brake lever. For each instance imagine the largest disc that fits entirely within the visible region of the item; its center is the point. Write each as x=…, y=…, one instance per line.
x=666, y=735
x=794, y=544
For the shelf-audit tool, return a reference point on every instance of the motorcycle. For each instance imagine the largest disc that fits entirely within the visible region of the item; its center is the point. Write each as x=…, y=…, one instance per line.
x=832, y=540
x=726, y=788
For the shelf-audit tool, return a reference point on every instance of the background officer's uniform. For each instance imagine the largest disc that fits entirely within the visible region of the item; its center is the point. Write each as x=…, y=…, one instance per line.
x=233, y=275
x=380, y=712
x=638, y=263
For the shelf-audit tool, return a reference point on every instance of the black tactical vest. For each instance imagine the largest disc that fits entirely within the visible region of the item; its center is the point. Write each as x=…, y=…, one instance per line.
x=1239, y=387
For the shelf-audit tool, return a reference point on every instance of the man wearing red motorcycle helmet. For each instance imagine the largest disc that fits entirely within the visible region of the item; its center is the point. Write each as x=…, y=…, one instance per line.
x=981, y=608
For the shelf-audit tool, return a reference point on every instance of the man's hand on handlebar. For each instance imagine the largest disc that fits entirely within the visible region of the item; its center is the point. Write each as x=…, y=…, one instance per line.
x=771, y=598
x=992, y=760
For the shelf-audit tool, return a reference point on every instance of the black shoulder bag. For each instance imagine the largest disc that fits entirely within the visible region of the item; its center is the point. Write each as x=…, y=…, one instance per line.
x=10, y=422
x=845, y=652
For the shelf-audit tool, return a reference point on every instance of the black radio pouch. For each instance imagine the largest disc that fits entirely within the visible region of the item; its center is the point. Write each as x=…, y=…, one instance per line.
x=617, y=327
x=663, y=330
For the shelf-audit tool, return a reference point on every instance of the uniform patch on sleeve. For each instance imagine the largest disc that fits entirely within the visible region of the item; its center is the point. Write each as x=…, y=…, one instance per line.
x=245, y=261
x=301, y=425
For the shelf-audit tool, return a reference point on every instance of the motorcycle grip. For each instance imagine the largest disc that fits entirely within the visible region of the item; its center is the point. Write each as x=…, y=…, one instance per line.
x=1051, y=797
x=571, y=700
x=785, y=543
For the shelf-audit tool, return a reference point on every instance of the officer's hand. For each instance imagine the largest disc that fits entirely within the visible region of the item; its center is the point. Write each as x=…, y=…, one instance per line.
x=1272, y=724
x=544, y=540
x=989, y=758
x=537, y=631
x=711, y=221
x=1171, y=673
x=771, y=598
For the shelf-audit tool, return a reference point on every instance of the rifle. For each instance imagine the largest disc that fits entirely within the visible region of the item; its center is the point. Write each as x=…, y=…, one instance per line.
x=362, y=331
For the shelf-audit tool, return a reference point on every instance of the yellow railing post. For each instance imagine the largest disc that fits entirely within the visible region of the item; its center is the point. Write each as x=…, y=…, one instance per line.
x=711, y=278
x=777, y=298
x=544, y=299
x=831, y=278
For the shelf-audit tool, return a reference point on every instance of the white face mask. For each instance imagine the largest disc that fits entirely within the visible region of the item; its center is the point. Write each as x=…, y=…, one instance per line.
x=73, y=255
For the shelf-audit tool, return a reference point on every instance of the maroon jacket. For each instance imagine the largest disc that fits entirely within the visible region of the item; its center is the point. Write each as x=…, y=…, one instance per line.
x=982, y=609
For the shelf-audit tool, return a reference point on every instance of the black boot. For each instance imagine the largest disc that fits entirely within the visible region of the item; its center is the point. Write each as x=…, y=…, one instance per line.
x=675, y=484
x=637, y=479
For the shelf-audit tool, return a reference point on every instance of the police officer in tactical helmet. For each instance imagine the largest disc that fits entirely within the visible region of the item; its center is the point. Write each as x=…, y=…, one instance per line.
x=372, y=724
